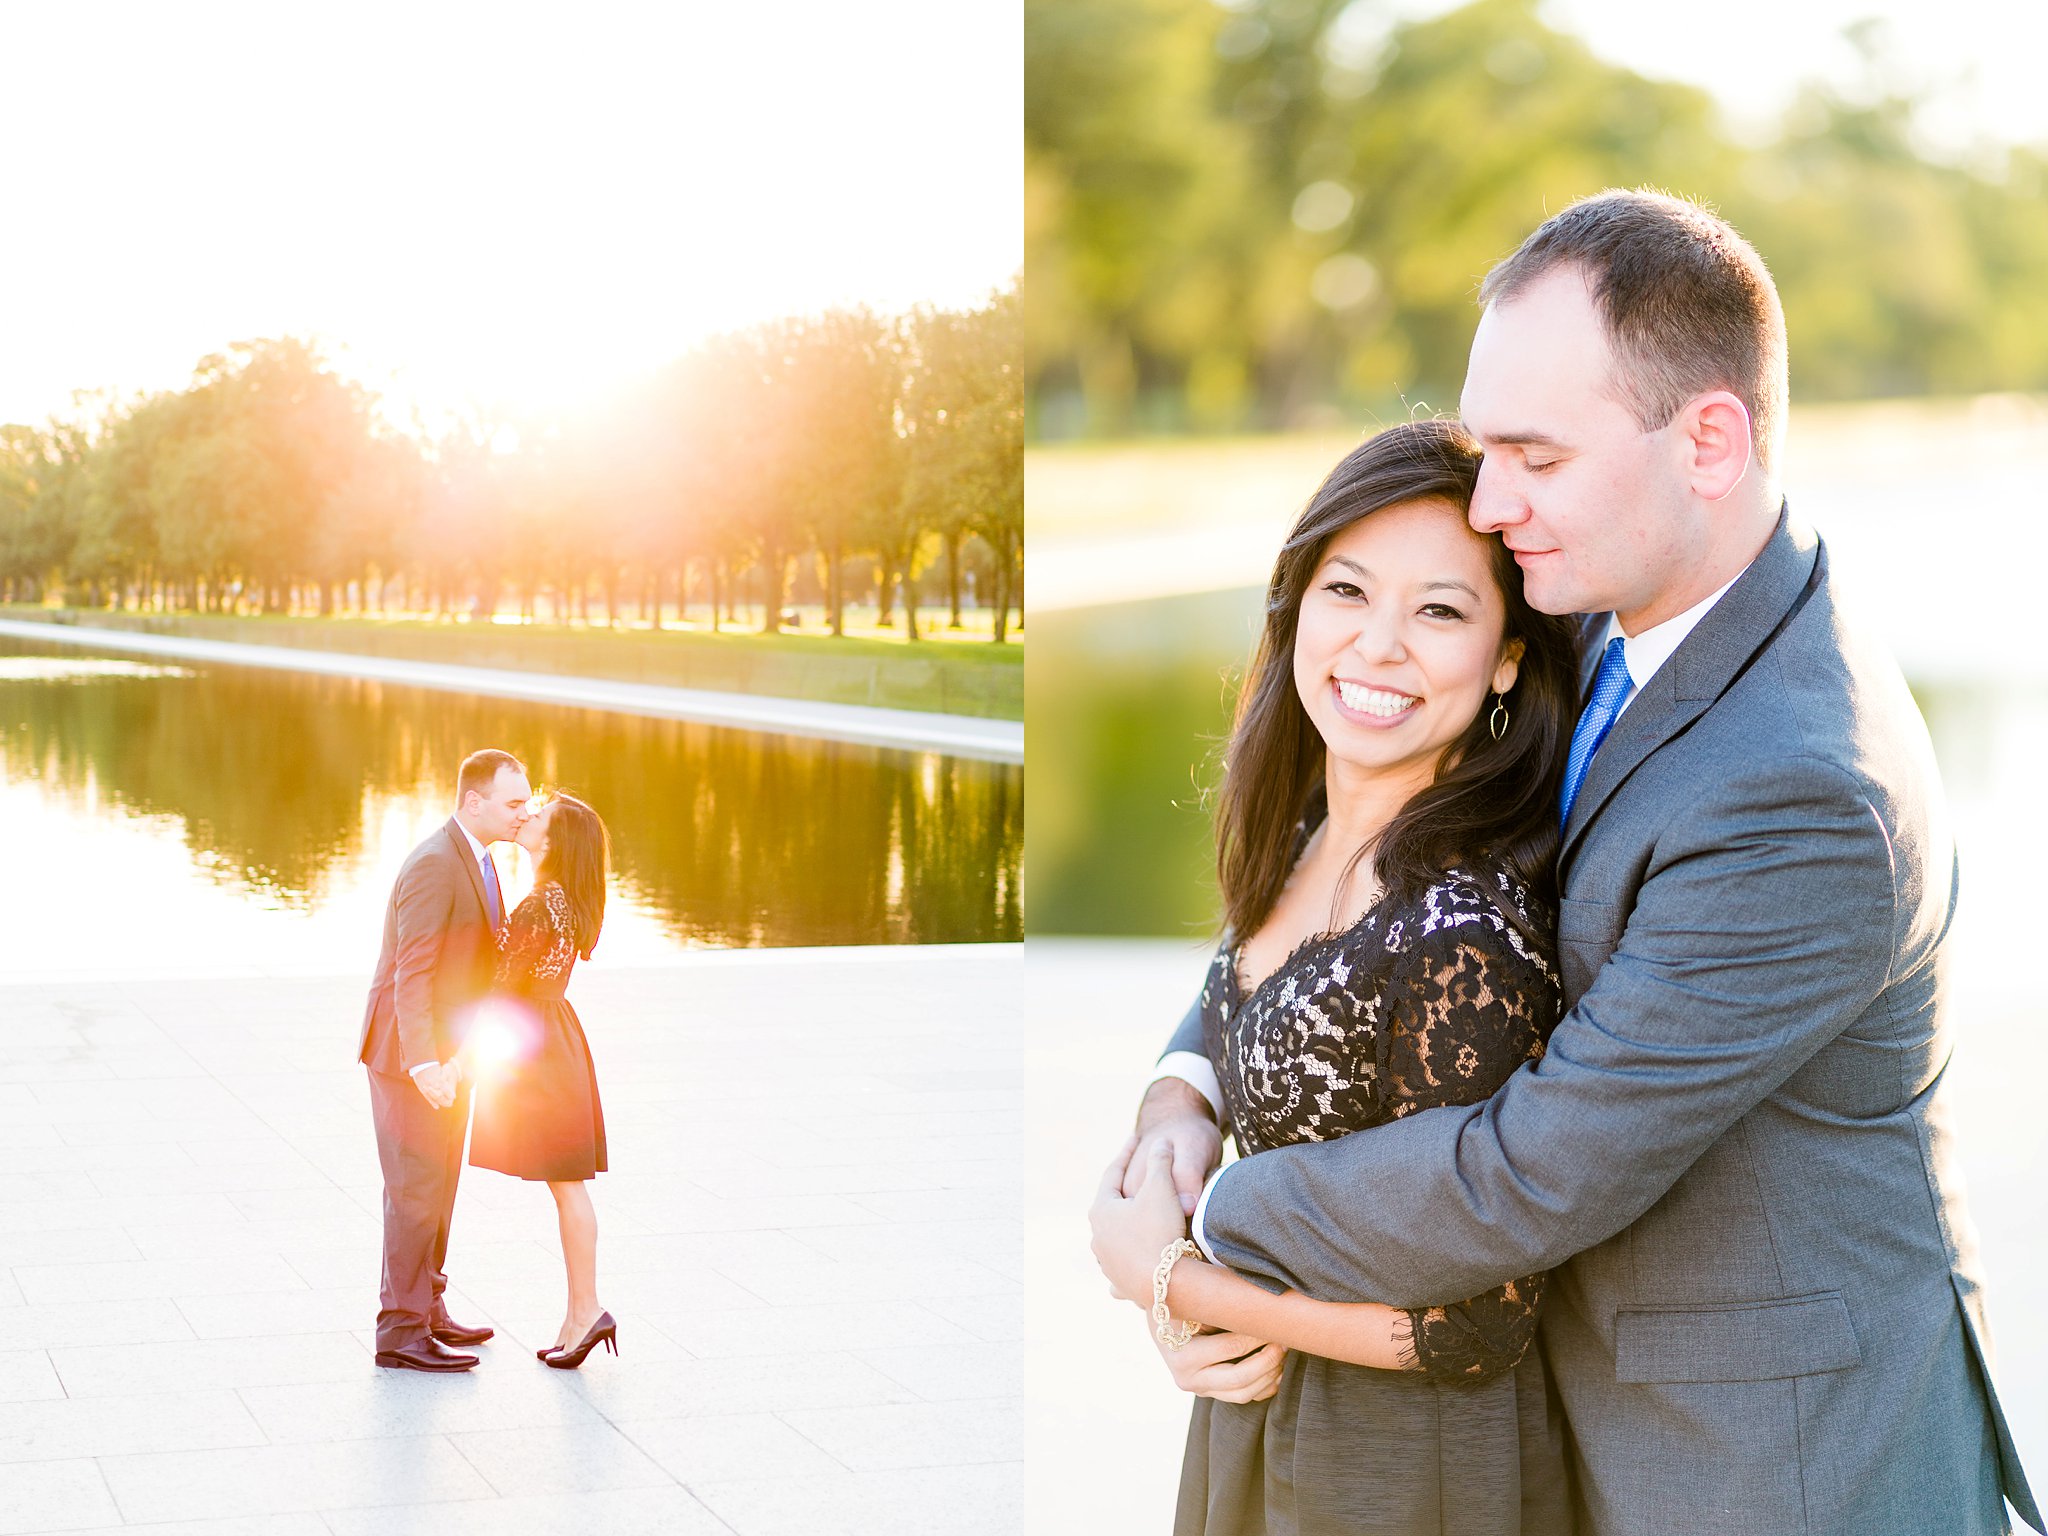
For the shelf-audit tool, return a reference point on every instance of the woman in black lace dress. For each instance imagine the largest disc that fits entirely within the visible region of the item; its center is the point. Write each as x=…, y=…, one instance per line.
x=537, y=1113
x=1385, y=832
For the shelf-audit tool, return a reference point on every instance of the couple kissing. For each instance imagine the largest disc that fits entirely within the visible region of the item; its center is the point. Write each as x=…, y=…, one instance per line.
x=468, y=1004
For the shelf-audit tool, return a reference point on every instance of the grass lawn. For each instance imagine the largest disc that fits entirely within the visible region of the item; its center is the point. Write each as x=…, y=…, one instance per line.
x=959, y=672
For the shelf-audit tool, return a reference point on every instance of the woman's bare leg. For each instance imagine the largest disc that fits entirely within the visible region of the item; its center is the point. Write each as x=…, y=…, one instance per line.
x=579, y=1255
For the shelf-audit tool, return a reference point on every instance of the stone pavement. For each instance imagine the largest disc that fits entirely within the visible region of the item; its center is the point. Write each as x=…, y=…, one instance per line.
x=812, y=1244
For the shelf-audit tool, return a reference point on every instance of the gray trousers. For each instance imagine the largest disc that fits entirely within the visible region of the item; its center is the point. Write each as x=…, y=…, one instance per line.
x=420, y=1148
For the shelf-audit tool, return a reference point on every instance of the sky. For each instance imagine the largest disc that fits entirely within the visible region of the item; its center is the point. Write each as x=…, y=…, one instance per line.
x=519, y=208
x=1980, y=59
x=509, y=206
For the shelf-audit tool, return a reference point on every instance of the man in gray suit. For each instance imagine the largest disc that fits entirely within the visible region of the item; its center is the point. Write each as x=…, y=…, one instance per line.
x=440, y=953
x=1737, y=1155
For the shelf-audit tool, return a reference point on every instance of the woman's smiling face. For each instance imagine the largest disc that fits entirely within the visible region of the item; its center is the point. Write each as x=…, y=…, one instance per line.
x=1398, y=641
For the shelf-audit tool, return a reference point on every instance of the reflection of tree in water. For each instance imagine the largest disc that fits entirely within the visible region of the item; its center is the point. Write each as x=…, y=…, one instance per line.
x=743, y=838
x=732, y=837
x=265, y=774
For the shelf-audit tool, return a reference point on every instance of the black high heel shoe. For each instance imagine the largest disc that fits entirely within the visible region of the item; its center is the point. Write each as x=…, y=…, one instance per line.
x=604, y=1331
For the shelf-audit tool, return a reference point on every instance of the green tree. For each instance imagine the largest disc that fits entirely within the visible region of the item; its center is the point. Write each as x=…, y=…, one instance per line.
x=844, y=388
x=1276, y=213
x=270, y=482
x=34, y=535
x=968, y=455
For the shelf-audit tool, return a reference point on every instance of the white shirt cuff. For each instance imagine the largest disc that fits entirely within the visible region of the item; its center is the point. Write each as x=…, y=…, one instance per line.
x=422, y=1067
x=1202, y=1209
x=1192, y=1068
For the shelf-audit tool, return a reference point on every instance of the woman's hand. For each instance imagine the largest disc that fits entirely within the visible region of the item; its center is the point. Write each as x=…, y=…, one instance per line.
x=1230, y=1367
x=1128, y=1235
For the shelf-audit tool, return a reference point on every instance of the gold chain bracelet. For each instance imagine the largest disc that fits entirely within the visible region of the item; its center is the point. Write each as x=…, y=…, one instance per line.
x=1173, y=1335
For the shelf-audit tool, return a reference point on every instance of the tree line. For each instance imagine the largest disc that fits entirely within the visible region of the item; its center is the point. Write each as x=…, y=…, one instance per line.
x=1257, y=214
x=847, y=452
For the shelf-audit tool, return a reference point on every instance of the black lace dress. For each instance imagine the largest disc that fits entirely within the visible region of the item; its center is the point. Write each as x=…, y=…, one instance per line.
x=1420, y=1003
x=537, y=1113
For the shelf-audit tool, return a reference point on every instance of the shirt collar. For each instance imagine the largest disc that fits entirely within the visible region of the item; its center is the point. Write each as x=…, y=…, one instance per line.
x=1643, y=654
x=476, y=848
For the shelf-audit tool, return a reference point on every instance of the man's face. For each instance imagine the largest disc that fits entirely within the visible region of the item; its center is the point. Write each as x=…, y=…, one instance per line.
x=1593, y=506
x=501, y=810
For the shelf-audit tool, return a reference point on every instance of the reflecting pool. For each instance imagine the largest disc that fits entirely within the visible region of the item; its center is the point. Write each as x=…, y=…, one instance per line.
x=200, y=818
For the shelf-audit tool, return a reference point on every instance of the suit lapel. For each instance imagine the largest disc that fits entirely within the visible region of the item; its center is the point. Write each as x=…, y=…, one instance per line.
x=1592, y=629
x=476, y=874
x=1706, y=663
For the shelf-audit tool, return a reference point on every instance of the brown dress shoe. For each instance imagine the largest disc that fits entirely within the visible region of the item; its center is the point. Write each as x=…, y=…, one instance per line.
x=455, y=1333
x=427, y=1355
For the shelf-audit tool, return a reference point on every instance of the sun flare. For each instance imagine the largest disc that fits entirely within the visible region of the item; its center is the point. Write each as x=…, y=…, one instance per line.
x=502, y=1037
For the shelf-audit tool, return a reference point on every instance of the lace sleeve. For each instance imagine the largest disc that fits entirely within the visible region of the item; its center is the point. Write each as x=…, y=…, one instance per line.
x=1467, y=1005
x=561, y=932
x=1472, y=1341
x=1210, y=1005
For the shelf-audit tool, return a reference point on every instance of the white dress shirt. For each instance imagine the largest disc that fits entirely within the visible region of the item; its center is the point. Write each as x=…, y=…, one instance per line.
x=1642, y=655
x=477, y=850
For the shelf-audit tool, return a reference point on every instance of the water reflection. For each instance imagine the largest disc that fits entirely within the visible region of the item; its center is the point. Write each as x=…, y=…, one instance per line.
x=299, y=794
x=1129, y=704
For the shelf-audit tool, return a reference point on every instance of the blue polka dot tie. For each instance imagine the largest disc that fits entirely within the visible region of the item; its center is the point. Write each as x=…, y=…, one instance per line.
x=1610, y=687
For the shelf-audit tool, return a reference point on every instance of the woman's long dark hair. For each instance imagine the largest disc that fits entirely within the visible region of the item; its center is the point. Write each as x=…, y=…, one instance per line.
x=1489, y=797
x=578, y=858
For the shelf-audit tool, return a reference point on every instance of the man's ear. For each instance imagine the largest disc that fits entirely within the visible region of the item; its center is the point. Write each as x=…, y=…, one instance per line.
x=1714, y=433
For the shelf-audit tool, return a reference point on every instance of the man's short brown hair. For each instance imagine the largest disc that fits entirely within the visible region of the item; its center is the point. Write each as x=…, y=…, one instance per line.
x=1688, y=304
x=480, y=771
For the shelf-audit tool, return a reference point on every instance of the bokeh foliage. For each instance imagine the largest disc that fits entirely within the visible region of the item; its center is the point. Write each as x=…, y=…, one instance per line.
x=1126, y=711
x=1274, y=213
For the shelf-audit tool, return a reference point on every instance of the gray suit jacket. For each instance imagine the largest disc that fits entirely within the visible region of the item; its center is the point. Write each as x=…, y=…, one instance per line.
x=437, y=961
x=1737, y=1154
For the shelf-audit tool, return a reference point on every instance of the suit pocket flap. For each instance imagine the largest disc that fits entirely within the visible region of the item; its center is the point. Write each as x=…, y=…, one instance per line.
x=1741, y=1341
x=1589, y=922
